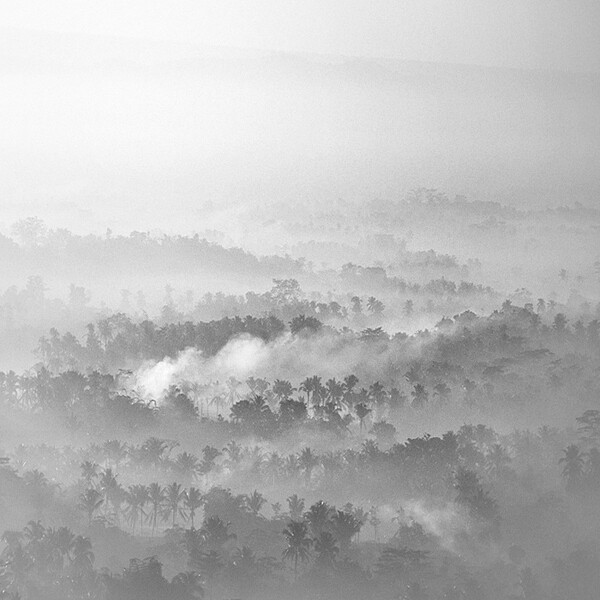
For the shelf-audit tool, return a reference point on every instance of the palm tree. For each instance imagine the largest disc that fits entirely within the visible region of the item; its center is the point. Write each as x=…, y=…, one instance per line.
x=318, y=517
x=362, y=411
x=152, y=451
x=420, y=396
x=356, y=304
x=105, y=329
x=375, y=306
x=215, y=533
x=319, y=392
x=232, y=386
x=282, y=390
x=497, y=459
x=313, y=389
x=345, y=526
x=186, y=465
x=194, y=389
x=574, y=465
x=218, y=401
x=109, y=487
x=89, y=471
x=192, y=501
x=335, y=390
x=174, y=496
x=361, y=516
x=156, y=498
x=136, y=498
x=308, y=461
x=350, y=382
x=34, y=531
x=255, y=502
x=90, y=501
x=296, y=507
x=292, y=465
x=83, y=557
x=61, y=542
x=234, y=452
x=257, y=386
x=209, y=455
x=326, y=550
x=377, y=393
x=374, y=521
x=298, y=544
x=115, y=452
x=442, y=391
x=307, y=387
x=274, y=465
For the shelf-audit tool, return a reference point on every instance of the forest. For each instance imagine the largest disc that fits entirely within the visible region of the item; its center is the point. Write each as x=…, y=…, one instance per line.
x=299, y=444
x=299, y=300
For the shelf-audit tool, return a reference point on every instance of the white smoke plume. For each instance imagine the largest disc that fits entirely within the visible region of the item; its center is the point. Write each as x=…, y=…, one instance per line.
x=288, y=357
x=442, y=522
x=240, y=358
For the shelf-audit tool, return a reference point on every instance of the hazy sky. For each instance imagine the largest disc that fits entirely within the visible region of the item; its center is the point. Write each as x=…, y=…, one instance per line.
x=99, y=124
x=555, y=34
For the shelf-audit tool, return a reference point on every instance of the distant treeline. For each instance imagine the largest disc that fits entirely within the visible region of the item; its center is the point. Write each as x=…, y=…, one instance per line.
x=40, y=250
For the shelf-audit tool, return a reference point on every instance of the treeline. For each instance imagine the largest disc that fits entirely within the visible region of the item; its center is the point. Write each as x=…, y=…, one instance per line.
x=464, y=367
x=246, y=545
x=418, y=466
x=118, y=340
x=369, y=278
x=461, y=343
x=59, y=251
x=46, y=563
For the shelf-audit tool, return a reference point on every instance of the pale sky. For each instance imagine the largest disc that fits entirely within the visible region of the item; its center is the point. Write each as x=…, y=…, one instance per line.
x=547, y=34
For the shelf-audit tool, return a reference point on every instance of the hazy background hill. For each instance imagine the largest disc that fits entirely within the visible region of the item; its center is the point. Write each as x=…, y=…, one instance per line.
x=161, y=135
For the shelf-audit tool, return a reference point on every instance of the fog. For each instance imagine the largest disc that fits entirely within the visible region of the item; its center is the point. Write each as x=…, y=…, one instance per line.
x=294, y=315
x=101, y=132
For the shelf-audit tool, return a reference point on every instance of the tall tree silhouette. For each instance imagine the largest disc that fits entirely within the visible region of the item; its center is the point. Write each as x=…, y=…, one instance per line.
x=298, y=544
